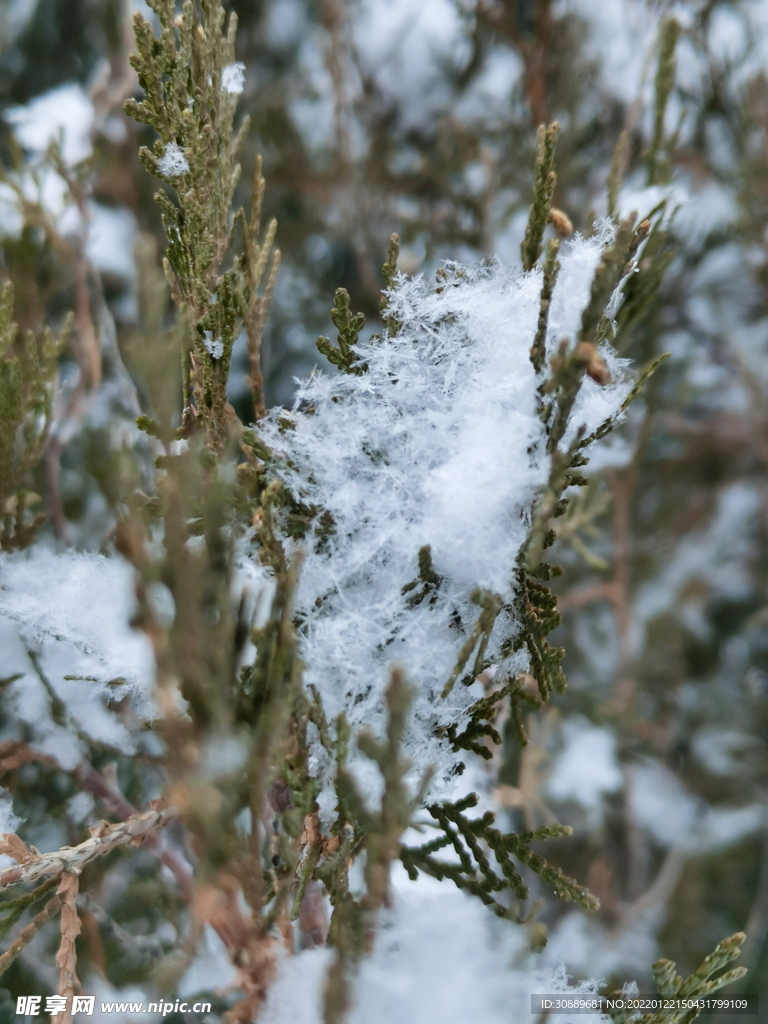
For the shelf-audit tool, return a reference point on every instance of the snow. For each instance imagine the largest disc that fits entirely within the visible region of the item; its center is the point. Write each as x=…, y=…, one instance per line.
x=173, y=163
x=438, y=956
x=9, y=822
x=214, y=348
x=438, y=443
x=620, y=36
x=233, y=78
x=714, y=556
x=587, y=767
x=586, y=946
x=64, y=113
x=15, y=18
x=112, y=240
x=673, y=816
x=403, y=47
x=727, y=35
x=72, y=612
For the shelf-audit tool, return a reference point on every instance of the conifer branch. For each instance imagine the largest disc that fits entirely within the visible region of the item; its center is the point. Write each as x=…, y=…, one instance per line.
x=348, y=325
x=543, y=191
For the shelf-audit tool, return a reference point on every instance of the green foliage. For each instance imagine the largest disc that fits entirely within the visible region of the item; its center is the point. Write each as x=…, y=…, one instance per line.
x=28, y=367
x=543, y=189
x=389, y=273
x=378, y=833
x=428, y=580
x=12, y=910
x=551, y=269
x=703, y=982
x=659, y=165
x=205, y=508
x=468, y=837
x=188, y=103
x=349, y=325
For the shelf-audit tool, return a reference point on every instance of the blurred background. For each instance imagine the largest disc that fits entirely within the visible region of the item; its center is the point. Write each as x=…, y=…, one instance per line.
x=374, y=116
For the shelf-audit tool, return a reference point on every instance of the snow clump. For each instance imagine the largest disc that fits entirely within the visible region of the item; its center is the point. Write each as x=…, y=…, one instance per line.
x=233, y=78
x=438, y=442
x=173, y=163
x=214, y=348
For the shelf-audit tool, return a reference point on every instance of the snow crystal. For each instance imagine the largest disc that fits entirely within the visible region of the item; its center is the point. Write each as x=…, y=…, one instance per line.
x=233, y=78
x=173, y=163
x=214, y=348
x=81, y=601
x=438, y=443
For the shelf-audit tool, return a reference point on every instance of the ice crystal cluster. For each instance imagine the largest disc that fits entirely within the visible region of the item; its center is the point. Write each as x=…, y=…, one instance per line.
x=233, y=78
x=439, y=442
x=173, y=163
x=214, y=347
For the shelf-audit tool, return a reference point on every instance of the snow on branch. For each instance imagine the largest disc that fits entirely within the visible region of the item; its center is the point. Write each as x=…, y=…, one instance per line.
x=433, y=446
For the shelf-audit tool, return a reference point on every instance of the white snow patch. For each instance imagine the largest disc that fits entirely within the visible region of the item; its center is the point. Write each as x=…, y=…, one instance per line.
x=111, y=240
x=587, y=768
x=438, y=443
x=215, y=348
x=65, y=112
x=173, y=163
x=233, y=78
x=438, y=956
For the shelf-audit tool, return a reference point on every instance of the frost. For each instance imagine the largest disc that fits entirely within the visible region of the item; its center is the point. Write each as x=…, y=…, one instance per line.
x=173, y=163
x=214, y=348
x=233, y=78
x=438, y=443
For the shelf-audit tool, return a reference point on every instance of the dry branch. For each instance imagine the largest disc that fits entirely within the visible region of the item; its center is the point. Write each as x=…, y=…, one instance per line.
x=32, y=865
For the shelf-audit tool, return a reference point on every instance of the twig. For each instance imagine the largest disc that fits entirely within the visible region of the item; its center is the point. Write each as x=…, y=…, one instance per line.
x=66, y=958
x=38, y=921
x=94, y=783
x=104, y=839
x=97, y=785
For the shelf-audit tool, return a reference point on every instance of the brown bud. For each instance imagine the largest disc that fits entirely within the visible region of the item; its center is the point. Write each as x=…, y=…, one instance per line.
x=596, y=367
x=561, y=222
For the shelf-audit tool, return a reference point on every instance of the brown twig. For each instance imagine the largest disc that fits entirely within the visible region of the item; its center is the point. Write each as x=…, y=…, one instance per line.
x=66, y=958
x=97, y=785
x=51, y=908
x=72, y=859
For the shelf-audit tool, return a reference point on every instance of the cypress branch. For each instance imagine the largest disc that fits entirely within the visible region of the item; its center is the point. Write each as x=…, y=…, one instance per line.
x=543, y=190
